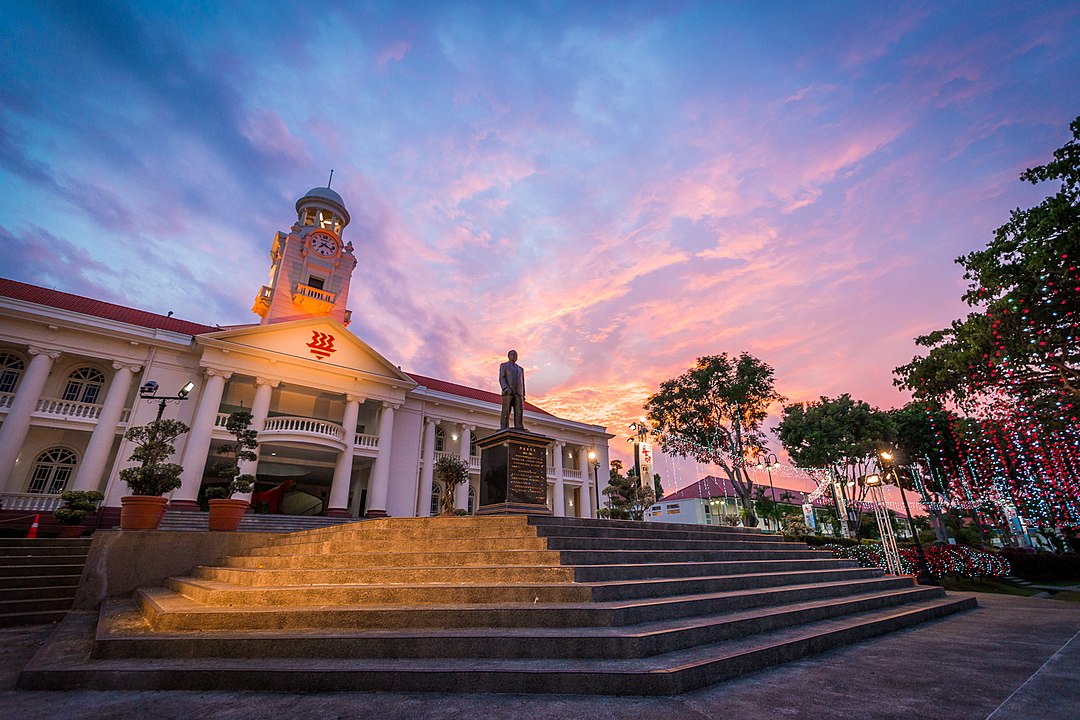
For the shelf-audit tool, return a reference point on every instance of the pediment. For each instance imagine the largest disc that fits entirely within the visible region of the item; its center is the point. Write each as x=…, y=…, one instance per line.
x=317, y=340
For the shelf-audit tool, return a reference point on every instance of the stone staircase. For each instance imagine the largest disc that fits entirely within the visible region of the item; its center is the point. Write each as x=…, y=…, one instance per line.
x=197, y=521
x=38, y=578
x=490, y=604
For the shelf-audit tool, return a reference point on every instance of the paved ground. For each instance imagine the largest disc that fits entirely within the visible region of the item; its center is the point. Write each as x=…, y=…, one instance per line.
x=1012, y=658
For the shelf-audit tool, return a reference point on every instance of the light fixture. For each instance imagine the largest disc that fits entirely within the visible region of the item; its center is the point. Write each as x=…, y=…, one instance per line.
x=886, y=455
x=186, y=390
x=592, y=456
x=872, y=480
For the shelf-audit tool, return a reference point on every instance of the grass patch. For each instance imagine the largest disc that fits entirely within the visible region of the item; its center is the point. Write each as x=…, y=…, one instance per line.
x=986, y=585
x=1067, y=596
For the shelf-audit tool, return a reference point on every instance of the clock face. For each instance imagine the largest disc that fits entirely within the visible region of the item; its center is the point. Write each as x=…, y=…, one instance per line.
x=323, y=244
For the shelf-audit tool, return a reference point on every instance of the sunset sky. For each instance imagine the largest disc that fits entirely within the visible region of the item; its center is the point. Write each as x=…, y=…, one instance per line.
x=613, y=189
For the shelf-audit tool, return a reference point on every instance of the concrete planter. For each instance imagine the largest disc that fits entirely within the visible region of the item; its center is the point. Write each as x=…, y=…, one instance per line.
x=141, y=512
x=71, y=531
x=225, y=514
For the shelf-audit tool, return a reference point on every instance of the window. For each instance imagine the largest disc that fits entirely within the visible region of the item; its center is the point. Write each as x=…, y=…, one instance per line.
x=315, y=282
x=11, y=369
x=472, y=500
x=436, y=499
x=309, y=216
x=84, y=385
x=51, y=472
x=440, y=439
x=472, y=446
x=327, y=221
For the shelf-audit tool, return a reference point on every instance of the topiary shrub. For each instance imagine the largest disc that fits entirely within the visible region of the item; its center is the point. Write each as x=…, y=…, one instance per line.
x=77, y=505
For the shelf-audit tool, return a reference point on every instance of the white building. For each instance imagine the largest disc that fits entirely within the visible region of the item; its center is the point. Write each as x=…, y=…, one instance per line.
x=336, y=418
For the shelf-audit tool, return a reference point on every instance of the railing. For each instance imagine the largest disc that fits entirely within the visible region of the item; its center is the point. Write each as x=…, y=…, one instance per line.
x=474, y=462
x=440, y=454
x=35, y=502
x=266, y=292
x=68, y=408
x=314, y=293
x=368, y=441
x=221, y=420
x=571, y=473
x=304, y=426
x=6, y=399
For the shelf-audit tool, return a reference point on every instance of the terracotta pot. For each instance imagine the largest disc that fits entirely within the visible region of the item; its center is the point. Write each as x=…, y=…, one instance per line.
x=226, y=513
x=141, y=512
x=71, y=531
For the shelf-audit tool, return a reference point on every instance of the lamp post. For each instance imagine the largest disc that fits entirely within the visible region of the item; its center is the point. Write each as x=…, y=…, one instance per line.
x=922, y=569
x=641, y=431
x=595, y=464
x=149, y=390
x=768, y=464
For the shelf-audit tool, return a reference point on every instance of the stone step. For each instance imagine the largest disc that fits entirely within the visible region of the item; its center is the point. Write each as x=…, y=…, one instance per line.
x=58, y=667
x=125, y=633
x=41, y=560
x=28, y=581
x=383, y=559
x=632, y=543
x=465, y=544
x=670, y=532
x=8, y=607
x=633, y=525
x=74, y=566
x=45, y=542
x=80, y=550
x=34, y=617
x=168, y=611
x=504, y=573
x=47, y=592
x=793, y=551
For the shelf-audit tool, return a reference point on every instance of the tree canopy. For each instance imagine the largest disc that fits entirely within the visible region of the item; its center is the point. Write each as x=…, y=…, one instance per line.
x=1024, y=339
x=714, y=412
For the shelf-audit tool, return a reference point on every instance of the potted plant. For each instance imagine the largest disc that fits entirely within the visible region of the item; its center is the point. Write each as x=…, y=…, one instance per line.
x=149, y=481
x=453, y=471
x=225, y=512
x=77, y=505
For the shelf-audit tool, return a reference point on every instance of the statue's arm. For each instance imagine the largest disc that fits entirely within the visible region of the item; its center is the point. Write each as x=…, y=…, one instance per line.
x=504, y=380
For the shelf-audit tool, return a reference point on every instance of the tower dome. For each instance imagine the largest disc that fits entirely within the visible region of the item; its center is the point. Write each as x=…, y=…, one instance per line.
x=323, y=208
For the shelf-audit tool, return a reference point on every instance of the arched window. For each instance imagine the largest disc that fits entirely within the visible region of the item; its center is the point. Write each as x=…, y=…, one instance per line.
x=11, y=369
x=440, y=439
x=52, y=470
x=472, y=446
x=472, y=500
x=436, y=499
x=84, y=385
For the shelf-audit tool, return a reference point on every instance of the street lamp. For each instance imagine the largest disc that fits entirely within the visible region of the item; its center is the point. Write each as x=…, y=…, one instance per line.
x=148, y=392
x=922, y=571
x=595, y=463
x=768, y=464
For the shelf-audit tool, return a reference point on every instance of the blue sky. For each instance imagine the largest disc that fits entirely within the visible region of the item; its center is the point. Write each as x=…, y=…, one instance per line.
x=612, y=188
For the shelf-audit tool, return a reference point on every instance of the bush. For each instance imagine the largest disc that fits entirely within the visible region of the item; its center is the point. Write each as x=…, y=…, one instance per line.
x=956, y=560
x=77, y=505
x=1043, y=565
x=154, y=443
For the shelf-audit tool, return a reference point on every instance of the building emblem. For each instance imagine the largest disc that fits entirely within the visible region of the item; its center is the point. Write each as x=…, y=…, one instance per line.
x=322, y=344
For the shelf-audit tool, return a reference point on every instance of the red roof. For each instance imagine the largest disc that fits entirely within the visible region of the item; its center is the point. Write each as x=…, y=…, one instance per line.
x=712, y=486
x=463, y=391
x=97, y=308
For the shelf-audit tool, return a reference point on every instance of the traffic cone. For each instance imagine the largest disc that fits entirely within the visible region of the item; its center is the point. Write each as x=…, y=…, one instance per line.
x=33, y=528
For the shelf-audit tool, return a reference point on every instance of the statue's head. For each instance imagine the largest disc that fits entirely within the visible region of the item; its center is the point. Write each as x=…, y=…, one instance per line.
x=512, y=355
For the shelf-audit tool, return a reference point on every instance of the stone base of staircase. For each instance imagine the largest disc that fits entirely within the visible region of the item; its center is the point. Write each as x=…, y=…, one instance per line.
x=522, y=605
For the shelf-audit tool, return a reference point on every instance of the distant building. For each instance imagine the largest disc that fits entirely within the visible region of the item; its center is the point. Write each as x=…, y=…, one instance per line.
x=344, y=427
x=713, y=501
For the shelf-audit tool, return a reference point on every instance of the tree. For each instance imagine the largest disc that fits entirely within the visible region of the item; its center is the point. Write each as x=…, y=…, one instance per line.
x=839, y=435
x=713, y=413
x=1027, y=283
x=658, y=489
x=240, y=449
x=154, y=444
x=627, y=499
x=453, y=471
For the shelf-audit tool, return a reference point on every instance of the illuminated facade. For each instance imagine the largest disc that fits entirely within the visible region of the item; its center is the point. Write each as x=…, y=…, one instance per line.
x=343, y=427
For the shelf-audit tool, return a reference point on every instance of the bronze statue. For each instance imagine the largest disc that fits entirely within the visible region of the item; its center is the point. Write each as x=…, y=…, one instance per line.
x=512, y=381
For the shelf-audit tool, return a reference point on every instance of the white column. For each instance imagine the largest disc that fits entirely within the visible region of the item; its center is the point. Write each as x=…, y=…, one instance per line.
x=558, y=501
x=260, y=408
x=92, y=466
x=427, y=467
x=461, y=499
x=603, y=471
x=342, y=483
x=198, y=443
x=380, y=475
x=17, y=422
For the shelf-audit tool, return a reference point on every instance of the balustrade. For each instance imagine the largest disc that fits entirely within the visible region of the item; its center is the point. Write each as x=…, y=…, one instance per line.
x=68, y=408
x=571, y=474
x=368, y=441
x=305, y=426
x=31, y=502
x=5, y=400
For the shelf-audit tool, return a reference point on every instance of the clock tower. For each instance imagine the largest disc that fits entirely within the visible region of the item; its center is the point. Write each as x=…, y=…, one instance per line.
x=310, y=267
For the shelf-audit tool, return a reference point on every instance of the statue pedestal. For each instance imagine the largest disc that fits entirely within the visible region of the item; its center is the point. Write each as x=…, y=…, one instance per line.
x=513, y=473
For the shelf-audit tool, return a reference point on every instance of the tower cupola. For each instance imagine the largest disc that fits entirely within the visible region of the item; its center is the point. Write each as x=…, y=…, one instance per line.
x=310, y=266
